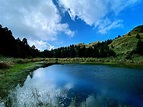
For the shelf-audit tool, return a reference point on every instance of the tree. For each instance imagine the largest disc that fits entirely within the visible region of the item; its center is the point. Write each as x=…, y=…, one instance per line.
x=11, y=47
x=112, y=46
x=33, y=47
x=138, y=36
x=129, y=34
x=25, y=41
x=119, y=36
x=139, y=48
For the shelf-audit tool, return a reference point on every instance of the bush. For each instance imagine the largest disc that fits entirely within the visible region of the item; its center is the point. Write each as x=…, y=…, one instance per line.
x=138, y=36
x=129, y=56
x=4, y=65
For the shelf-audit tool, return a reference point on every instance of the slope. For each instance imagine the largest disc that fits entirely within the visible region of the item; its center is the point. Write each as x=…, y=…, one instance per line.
x=126, y=44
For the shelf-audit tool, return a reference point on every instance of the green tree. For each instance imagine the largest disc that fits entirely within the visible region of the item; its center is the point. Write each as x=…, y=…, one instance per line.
x=139, y=48
x=129, y=34
x=138, y=36
x=25, y=41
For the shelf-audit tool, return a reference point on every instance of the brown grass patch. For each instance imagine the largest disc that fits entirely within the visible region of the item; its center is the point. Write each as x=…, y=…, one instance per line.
x=4, y=65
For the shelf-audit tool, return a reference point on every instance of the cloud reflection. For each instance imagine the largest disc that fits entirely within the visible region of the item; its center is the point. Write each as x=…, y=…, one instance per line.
x=34, y=94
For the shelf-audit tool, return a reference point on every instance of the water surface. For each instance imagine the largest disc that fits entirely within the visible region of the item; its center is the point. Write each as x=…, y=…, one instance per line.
x=80, y=86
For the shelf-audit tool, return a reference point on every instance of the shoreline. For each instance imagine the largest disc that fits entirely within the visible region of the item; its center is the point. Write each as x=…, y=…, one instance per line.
x=100, y=61
x=135, y=66
x=17, y=72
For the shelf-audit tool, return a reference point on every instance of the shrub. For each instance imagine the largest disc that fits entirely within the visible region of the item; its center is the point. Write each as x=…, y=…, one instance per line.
x=4, y=65
x=138, y=36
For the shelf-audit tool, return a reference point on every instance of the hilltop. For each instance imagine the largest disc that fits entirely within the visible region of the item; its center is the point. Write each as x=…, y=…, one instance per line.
x=136, y=30
x=127, y=43
x=122, y=45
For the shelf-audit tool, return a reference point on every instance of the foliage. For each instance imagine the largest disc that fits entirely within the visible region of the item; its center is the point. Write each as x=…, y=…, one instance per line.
x=138, y=36
x=138, y=29
x=124, y=46
x=139, y=48
x=9, y=46
x=101, y=49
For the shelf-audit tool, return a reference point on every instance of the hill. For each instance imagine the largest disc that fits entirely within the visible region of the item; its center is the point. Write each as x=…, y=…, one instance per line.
x=136, y=30
x=127, y=46
x=123, y=45
x=127, y=43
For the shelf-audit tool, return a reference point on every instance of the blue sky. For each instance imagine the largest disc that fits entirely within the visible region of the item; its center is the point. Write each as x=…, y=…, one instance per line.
x=54, y=23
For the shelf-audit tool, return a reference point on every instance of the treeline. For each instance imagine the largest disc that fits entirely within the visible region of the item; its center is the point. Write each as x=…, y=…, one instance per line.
x=99, y=50
x=11, y=47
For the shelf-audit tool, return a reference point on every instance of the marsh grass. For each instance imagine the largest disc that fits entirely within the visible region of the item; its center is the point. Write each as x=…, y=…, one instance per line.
x=17, y=74
x=4, y=65
x=135, y=62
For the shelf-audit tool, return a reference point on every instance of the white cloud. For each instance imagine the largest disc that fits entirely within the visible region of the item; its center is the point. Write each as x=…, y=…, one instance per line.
x=38, y=19
x=86, y=10
x=119, y=5
x=41, y=45
x=93, y=12
x=111, y=25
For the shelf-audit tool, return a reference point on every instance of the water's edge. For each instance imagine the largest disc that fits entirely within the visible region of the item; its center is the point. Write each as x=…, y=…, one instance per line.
x=17, y=75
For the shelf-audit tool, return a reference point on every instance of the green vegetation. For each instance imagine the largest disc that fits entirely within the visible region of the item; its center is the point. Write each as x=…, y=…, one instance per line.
x=127, y=46
x=11, y=47
x=124, y=47
x=99, y=50
x=14, y=71
x=136, y=30
x=18, y=59
x=122, y=51
x=11, y=77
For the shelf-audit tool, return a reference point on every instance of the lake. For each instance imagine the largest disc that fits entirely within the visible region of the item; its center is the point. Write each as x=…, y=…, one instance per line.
x=79, y=85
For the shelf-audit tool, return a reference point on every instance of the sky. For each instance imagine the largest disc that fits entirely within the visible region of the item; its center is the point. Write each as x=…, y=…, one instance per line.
x=49, y=24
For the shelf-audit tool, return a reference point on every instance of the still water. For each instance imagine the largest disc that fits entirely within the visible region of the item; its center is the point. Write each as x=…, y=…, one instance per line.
x=76, y=85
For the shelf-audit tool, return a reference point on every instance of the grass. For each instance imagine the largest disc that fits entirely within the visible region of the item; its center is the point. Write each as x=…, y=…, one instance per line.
x=135, y=62
x=18, y=69
x=17, y=72
x=4, y=65
x=124, y=45
x=15, y=75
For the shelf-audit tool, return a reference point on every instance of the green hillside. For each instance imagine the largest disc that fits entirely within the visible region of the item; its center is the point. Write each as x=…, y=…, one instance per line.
x=123, y=45
x=138, y=29
x=127, y=43
x=128, y=46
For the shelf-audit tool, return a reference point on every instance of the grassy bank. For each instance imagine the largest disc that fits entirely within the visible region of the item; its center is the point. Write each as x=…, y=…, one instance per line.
x=118, y=61
x=15, y=71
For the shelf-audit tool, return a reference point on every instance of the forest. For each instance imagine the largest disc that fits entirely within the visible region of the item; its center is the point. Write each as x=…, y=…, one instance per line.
x=11, y=47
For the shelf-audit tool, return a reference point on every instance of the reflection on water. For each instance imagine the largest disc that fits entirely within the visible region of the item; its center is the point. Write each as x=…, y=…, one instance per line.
x=76, y=85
